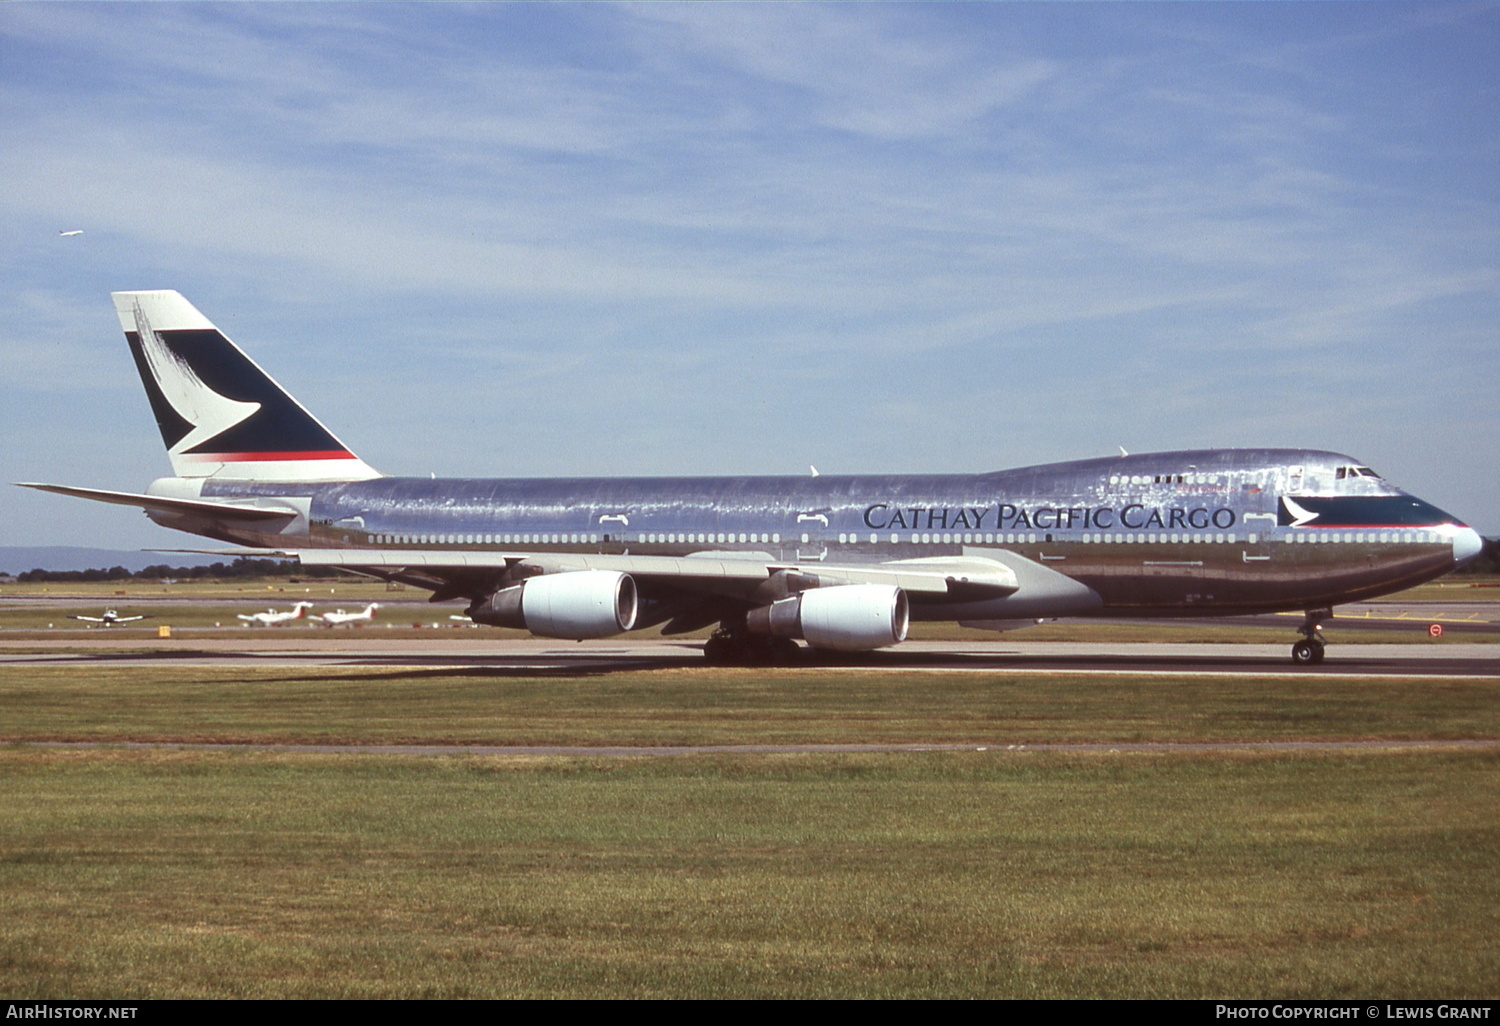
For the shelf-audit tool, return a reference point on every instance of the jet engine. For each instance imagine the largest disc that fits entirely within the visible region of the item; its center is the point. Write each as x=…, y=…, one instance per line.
x=846, y=618
x=576, y=605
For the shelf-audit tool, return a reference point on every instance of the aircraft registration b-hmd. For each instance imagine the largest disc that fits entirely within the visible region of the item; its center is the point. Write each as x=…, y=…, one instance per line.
x=841, y=562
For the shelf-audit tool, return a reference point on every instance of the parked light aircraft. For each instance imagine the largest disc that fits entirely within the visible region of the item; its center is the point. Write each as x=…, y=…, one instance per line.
x=841, y=562
x=275, y=618
x=109, y=619
x=339, y=617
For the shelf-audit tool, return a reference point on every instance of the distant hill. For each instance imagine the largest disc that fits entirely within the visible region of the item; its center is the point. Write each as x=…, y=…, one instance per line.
x=16, y=559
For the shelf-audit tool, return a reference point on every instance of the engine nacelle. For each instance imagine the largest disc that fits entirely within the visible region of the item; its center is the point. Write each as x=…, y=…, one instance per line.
x=575, y=605
x=846, y=618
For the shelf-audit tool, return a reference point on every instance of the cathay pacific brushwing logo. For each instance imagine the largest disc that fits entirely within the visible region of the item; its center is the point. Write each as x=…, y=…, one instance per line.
x=210, y=413
x=1300, y=517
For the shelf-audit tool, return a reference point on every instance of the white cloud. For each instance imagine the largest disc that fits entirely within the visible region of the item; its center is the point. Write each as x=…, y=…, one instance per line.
x=1077, y=225
x=866, y=69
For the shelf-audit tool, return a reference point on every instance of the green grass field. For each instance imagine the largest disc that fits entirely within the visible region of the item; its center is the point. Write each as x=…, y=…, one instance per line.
x=139, y=875
x=406, y=705
x=1252, y=873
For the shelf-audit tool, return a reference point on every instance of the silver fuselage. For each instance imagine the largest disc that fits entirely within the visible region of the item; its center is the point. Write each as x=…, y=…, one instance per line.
x=1193, y=533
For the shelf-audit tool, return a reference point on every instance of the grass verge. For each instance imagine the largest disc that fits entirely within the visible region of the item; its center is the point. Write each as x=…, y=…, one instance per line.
x=727, y=706
x=163, y=874
x=150, y=875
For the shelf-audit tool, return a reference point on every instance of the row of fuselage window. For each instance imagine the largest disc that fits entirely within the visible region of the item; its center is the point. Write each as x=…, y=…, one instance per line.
x=1158, y=538
x=574, y=539
x=1141, y=479
x=915, y=538
x=1383, y=537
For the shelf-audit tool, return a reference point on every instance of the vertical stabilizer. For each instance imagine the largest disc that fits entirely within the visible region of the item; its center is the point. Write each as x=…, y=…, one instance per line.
x=220, y=415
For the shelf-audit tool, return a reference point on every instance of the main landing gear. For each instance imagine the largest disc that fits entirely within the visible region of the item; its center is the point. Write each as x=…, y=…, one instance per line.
x=1309, y=651
x=727, y=647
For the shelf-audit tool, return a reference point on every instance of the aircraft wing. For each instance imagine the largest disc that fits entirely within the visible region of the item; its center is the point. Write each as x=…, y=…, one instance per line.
x=473, y=574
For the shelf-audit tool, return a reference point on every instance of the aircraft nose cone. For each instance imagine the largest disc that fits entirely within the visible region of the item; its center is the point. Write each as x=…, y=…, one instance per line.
x=1466, y=545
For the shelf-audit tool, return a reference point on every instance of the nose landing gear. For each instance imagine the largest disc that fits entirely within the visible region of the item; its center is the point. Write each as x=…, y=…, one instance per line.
x=1309, y=651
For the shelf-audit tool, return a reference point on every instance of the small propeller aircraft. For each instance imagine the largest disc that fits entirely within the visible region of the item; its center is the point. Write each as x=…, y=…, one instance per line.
x=339, y=616
x=109, y=619
x=273, y=618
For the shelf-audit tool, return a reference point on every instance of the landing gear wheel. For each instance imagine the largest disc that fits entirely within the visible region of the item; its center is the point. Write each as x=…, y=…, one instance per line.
x=785, y=652
x=720, y=650
x=725, y=648
x=1307, y=653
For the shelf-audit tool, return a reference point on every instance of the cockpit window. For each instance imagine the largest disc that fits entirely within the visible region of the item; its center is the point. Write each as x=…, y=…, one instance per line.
x=1344, y=472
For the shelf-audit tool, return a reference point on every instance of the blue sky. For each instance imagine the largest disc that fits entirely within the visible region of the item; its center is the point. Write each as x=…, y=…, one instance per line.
x=540, y=239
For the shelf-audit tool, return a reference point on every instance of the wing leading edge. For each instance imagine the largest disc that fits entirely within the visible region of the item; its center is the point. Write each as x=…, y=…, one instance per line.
x=474, y=574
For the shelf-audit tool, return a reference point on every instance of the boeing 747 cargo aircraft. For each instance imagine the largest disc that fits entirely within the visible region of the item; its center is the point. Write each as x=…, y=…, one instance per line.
x=844, y=563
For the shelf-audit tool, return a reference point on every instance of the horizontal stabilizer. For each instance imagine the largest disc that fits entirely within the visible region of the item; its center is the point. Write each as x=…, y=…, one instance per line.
x=162, y=504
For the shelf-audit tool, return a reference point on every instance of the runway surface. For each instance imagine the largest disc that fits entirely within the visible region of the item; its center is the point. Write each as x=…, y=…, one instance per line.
x=473, y=652
x=803, y=749
x=1440, y=658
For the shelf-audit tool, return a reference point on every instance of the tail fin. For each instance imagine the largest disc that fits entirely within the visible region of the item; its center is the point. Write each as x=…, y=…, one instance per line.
x=220, y=415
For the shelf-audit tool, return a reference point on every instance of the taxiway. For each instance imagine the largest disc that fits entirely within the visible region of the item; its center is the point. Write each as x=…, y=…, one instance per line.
x=1442, y=658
